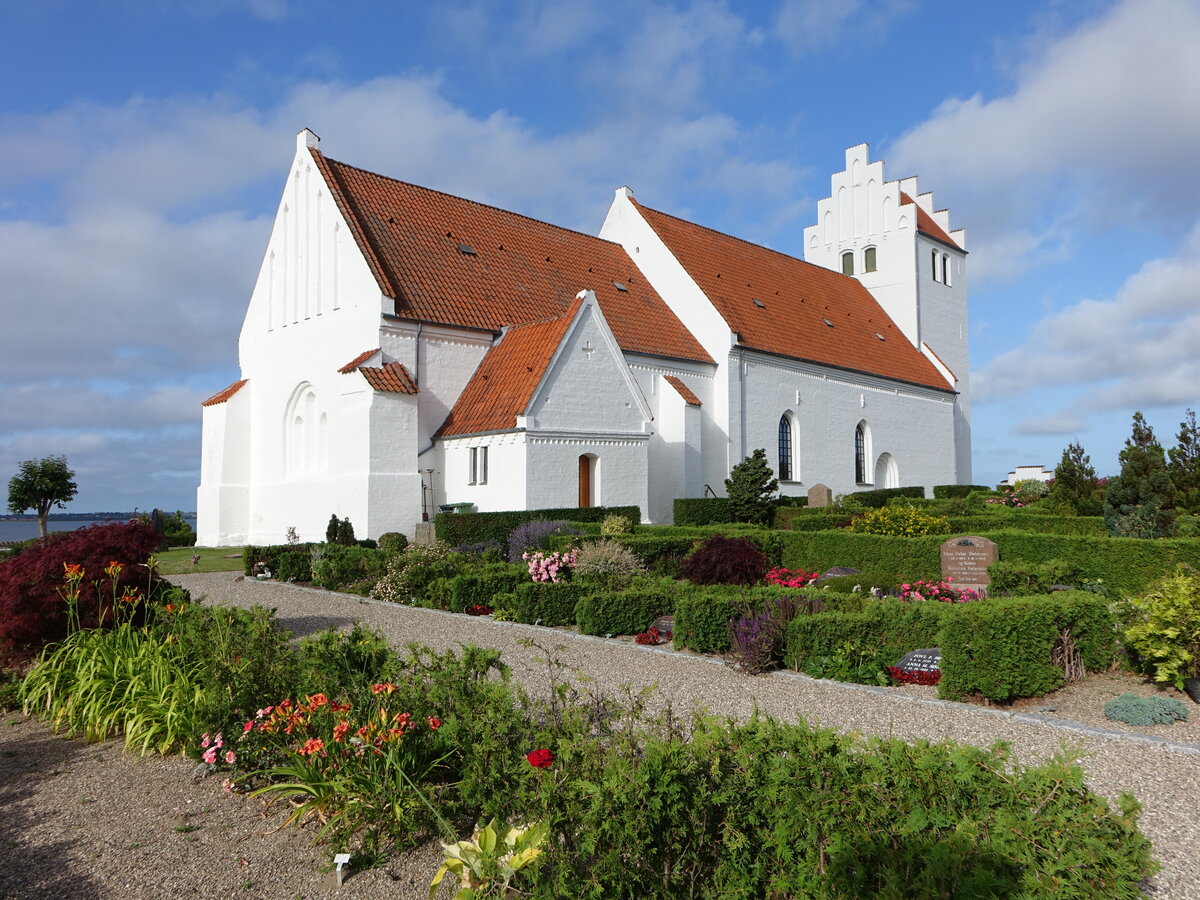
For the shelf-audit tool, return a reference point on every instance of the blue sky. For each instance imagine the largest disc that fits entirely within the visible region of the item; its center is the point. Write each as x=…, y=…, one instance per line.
x=143, y=147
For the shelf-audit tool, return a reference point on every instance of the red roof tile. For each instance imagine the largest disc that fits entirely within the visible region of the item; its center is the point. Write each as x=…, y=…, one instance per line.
x=782, y=305
x=684, y=391
x=391, y=378
x=223, y=395
x=926, y=223
x=357, y=361
x=503, y=385
x=456, y=262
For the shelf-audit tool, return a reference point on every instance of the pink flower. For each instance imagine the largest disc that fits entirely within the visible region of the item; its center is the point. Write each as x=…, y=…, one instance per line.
x=204, y=740
x=210, y=756
x=248, y=727
x=435, y=723
x=230, y=757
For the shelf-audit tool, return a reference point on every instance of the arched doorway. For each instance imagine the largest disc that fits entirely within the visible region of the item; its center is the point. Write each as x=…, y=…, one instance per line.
x=587, y=480
x=887, y=473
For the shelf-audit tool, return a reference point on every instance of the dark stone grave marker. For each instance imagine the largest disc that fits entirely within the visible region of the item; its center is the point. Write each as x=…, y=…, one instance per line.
x=921, y=661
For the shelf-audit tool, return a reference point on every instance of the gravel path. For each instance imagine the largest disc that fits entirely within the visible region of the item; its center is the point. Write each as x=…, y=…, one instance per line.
x=60, y=820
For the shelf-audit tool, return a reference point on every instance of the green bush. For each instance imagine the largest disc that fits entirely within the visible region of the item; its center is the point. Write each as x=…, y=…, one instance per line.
x=899, y=521
x=457, y=529
x=1017, y=579
x=420, y=576
x=607, y=563
x=949, y=491
x=897, y=559
x=629, y=612
x=336, y=567
x=342, y=664
x=480, y=587
x=1004, y=649
x=544, y=602
x=792, y=518
x=1134, y=710
x=702, y=618
x=392, y=542
x=702, y=511
x=883, y=632
x=612, y=525
x=1165, y=631
x=1029, y=522
x=286, y=562
x=882, y=496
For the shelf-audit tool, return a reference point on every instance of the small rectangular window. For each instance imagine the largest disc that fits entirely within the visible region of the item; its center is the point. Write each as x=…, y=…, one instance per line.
x=935, y=265
x=848, y=263
x=869, y=259
x=479, y=465
x=946, y=268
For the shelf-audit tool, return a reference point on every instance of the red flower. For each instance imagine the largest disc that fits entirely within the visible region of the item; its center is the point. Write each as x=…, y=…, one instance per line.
x=311, y=746
x=435, y=723
x=383, y=687
x=540, y=759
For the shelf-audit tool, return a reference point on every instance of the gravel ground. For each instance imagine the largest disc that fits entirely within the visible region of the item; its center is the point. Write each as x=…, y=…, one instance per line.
x=87, y=821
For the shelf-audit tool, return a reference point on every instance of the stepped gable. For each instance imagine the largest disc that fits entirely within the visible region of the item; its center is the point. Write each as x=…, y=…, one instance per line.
x=452, y=261
x=782, y=305
x=926, y=224
x=502, y=386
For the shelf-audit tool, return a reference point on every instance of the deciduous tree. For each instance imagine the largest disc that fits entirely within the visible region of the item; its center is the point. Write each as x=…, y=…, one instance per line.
x=41, y=485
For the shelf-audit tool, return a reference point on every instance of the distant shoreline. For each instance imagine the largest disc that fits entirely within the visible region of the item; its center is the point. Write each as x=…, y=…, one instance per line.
x=79, y=517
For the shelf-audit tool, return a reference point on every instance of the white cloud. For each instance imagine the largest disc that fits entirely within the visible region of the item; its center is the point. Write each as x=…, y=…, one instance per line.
x=1064, y=423
x=1135, y=350
x=807, y=25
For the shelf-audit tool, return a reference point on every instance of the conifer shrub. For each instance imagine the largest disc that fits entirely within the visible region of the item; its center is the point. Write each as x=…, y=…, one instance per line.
x=32, y=609
x=750, y=488
x=1134, y=710
x=725, y=560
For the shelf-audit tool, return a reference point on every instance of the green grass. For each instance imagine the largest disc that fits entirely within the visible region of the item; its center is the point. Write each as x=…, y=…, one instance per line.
x=212, y=559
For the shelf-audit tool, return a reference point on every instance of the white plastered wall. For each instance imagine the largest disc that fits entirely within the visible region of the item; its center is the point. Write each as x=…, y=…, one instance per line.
x=905, y=421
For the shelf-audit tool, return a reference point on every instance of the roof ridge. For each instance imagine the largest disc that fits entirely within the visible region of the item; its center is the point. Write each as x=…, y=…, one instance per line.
x=500, y=209
x=741, y=240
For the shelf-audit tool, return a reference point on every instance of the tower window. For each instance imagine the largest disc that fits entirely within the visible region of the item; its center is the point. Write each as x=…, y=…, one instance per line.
x=869, y=259
x=935, y=266
x=848, y=262
x=860, y=454
x=946, y=268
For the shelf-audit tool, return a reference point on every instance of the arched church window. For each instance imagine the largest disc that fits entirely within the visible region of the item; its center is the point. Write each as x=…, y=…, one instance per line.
x=848, y=262
x=862, y=452
x=787, y=468
x=869, y=259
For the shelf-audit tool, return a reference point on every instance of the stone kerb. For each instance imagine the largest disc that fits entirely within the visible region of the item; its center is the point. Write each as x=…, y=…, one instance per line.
x=965, y=561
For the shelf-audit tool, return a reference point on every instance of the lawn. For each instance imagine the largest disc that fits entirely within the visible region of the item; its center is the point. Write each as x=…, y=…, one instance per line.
x=212, y=559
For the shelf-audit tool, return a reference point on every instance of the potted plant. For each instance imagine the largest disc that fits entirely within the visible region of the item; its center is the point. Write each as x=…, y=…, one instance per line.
x=1166, y=631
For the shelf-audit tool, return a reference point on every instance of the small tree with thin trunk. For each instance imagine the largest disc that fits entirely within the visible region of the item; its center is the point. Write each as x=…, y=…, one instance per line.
x=41, y=485
x=1184, y=464
x=1140, y=502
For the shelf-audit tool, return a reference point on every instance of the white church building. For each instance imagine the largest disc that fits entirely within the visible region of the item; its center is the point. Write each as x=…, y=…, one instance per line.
x=404, y=348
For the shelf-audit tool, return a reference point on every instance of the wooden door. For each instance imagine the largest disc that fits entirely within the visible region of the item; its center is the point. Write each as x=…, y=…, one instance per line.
x=585, y=480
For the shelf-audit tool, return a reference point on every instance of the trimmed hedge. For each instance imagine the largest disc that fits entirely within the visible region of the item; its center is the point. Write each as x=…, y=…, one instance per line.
x=883, y=632
x=702, y=511
x=287, y=562
x=949, y=491
x=787, y=520
x=338, y=566
x=880, y=496
x=457, y=529
x=1030, y=522
x=1127, y=565
x=479, y=588
x=629, y=612
x=544, y=602
x=702, y=620
x=1001, y=649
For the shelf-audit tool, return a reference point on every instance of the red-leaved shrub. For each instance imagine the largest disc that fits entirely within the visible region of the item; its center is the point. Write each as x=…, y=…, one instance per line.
x=725, y=560
x=32, y=609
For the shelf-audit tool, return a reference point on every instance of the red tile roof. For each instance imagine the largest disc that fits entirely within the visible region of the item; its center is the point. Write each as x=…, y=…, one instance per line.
x=223, y=395
x=782, y=305
x=684, y=391
x=391, y=378
x=503, y=385
x=926, y=223
x=456, y=262
x=357, y=361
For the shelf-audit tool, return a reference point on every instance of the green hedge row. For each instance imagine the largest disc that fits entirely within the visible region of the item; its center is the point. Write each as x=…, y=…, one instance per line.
x=880, y=496
x=629, y=612
x=544, y=602
x=479, y=588
x=702, y=620
x=1127, y=565
x=882, y=633
x=1002, y=649
x=790, y=518
x=950, y=491
x=702, y=511
x=457, y=529
x=1035, y=524
x=287, y=562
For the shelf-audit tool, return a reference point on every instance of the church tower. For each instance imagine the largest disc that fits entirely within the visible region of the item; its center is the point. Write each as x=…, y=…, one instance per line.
x=890, y=237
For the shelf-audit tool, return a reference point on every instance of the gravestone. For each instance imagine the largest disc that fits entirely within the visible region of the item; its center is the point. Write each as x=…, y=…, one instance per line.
x=819, y=495
x=921, y=661
x=965, y=561
x=664, y=624
x=836, y=572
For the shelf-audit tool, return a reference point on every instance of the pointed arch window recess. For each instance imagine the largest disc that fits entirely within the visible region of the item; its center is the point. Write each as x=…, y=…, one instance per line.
x=786, y=468
x=860, y=454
